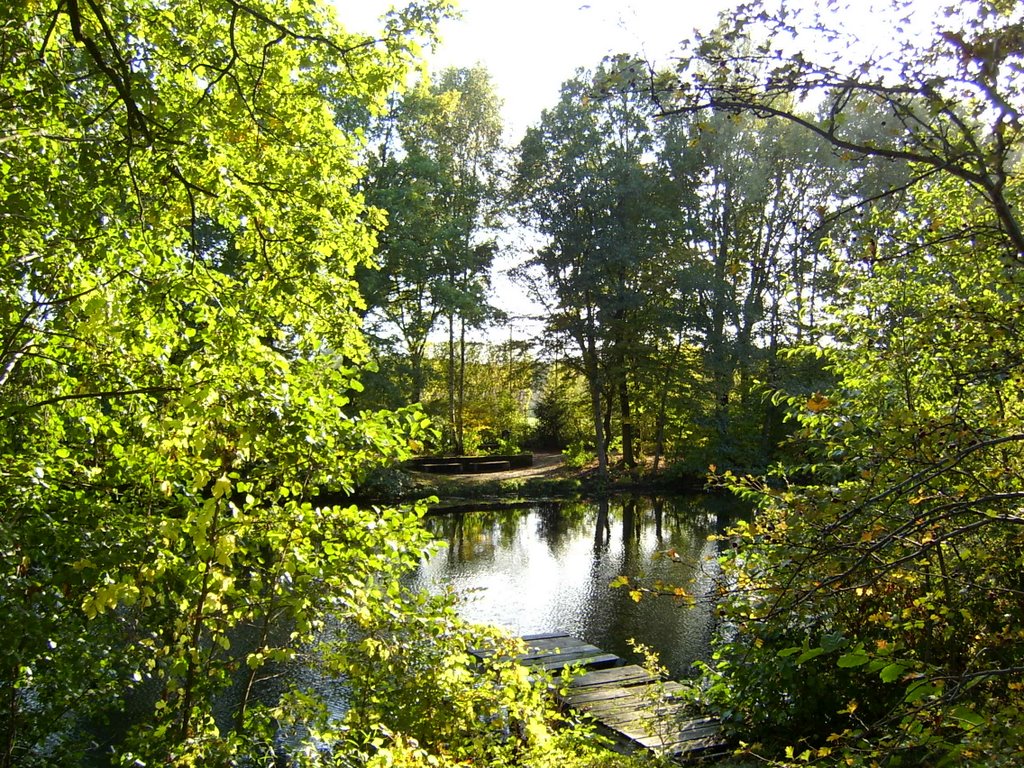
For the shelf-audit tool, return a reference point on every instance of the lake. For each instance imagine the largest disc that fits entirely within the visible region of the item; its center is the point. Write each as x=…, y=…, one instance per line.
x=548, y=567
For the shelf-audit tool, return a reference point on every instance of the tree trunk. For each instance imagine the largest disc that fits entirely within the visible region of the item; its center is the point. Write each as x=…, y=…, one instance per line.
x=460, y=414
x=662, y=416
x=717, y=352
x=417, y=352
x=609, y=400
x=452, y=442
x=771, y=411
x=588, y=346
x=622, y=392
x=626, y=414
x=600, y=447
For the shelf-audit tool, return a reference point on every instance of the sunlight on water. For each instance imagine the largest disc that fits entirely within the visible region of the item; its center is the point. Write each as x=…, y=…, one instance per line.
x=548, y=568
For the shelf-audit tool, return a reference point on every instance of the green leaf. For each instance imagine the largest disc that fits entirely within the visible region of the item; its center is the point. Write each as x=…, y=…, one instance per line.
x=891, y=672
x=968, y=716
x=221, y=486
x=809, y=654
x=918, y=690
x=855, y=659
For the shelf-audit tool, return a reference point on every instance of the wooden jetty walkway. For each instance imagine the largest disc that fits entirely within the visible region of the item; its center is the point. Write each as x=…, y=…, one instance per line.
x=634, y=707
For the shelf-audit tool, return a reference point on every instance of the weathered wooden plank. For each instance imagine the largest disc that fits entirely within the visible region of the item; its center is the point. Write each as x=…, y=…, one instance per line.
x=624, y=711
x=554, y=651
x=547, y=635
x=688, y=747
x=648, y=714
x=632, y=696
x=593, y=696
x=630, y=674
x=672, y=714
x=665, y=727
x=699, y=747
x=557, y=663
x=558, y=642
x=540, y=644
x=533, y=653
x=663, y=734
x=650, y=721
x=625, y=701
x=696, y=741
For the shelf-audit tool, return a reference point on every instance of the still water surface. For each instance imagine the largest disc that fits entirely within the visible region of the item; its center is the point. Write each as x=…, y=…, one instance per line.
x=548, y=567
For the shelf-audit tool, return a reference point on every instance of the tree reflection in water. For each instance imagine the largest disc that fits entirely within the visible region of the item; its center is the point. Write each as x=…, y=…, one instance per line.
x=548, y=567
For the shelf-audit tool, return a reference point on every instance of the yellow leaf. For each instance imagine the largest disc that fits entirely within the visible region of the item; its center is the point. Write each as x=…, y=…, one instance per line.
x=818, y=403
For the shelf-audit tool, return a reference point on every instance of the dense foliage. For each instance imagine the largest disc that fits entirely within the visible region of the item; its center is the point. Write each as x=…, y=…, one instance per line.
x=874, y=614
x=180, y=345
x=678, y=257
x=879, y=592
x=179, y=341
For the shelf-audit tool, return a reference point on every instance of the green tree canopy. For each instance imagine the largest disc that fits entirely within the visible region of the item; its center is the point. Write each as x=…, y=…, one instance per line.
x=589, y=182
x=876, y=616
x=435, y=171
x=948, y=99
x=180, y=338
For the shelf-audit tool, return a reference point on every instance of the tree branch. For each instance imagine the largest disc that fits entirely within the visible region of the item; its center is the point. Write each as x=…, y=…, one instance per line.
x=101, y=395
x=135, y=117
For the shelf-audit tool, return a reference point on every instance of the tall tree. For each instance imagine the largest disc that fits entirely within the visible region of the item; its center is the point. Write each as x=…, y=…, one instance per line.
x=436, y=172
x=762, y=186
x=589, y=181
x=400, y=289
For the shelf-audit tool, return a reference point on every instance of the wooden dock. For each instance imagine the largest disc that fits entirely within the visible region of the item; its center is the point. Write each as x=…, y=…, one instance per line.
x=635, y=708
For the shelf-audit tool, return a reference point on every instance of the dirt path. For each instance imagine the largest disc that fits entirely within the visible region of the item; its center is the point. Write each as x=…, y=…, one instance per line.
x=544, y=465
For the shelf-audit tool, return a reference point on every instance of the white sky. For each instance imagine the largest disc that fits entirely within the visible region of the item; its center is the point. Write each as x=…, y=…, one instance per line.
x=531, y=46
